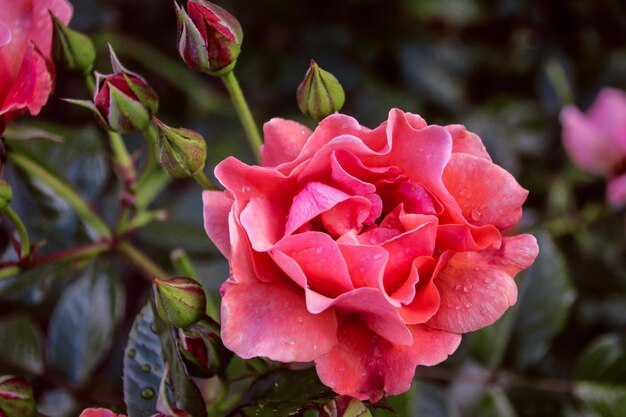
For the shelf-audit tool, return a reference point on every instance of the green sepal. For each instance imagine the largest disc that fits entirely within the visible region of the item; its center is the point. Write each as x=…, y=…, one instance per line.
x=181, y=152
x=125, y=113
x=72, y=48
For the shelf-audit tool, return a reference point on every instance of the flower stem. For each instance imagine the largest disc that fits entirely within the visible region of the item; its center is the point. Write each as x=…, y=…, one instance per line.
x=21, y=231
x=243, y=111
x=204, y=181
x=62, y=189
x=141, y=261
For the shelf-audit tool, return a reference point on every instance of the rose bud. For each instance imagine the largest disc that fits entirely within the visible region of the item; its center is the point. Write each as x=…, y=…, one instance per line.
x=181, y=152
x=71, y=48
x=202, y=350
x=6, y=195
x=344, y=406
x=16, y=397
x=209, y=38
x=123, y=101
x=180, y=302
x=319, y=94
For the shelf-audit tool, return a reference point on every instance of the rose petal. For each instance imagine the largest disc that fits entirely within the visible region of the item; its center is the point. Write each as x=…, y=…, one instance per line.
x=314, y=199
x=467, y=142
x=589, y=147
x=41, y=31
x=476, y=288
x=463, y=237
x=5, y=34
x=319, y=258
x=264, y=222
x=486, y=193
x=368, y=367
x=616, y=191
x=216, y=207
x=284, y=140
x=271, y=320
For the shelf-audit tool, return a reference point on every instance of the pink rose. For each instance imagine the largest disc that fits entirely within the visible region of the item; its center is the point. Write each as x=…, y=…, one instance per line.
x=367, y=251
x=596, y=141
x=26, y=75
x=99, y=412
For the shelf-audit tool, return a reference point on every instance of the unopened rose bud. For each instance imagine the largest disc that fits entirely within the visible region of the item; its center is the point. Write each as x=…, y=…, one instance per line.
x=209, y=38
x=73, y=49
x=319, y=94
x=6, y=195
x=16, y=397
x=202, y=350
x=123, y=101
x=180, y=302
x=181, y=152
x=345, y=406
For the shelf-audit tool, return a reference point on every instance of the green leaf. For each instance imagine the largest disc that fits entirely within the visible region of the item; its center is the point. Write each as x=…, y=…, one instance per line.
x=283, y=392
x=22, y=344
x=546, y=297
x=83, y=323
x=601, y=376
x=143, y=365
x=494, y=403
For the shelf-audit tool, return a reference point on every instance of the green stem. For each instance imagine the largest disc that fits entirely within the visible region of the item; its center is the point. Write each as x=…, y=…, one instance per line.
x=243, y=111
x=204, y=181
x=141, y=261
x=89, y=82
x=184, y=267
x=9, y=272
x=77, y=253
x=21, y=231
x=63, y=190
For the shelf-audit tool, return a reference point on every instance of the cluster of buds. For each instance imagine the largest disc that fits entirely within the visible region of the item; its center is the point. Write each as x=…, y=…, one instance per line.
x=209, y=38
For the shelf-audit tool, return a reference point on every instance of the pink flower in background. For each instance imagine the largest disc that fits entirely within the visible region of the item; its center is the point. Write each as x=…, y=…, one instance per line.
x=596, y=141
x=26, y=76
x=366, y=251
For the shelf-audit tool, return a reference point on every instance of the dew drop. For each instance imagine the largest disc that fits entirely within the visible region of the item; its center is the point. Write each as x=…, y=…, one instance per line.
x=457, y=307
x=153, y=327
x=319, y=250
x=378, y=256
x=132, y=353
x=458, y=287
x=145, y=368
x=483, y=311
x=476, y=215
x=300, y=320
x=147, y=393
x=292, y=343
x=467, y=288
x=488, y=280
x=157, y=368
x=467, y=305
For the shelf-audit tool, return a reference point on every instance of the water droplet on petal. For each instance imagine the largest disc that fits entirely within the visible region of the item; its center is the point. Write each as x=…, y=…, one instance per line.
x=488, y=280
x=146, y=368
x=378, y=256
x=467, y=305
x=147, y=393
x=300, y=320
x=476, y=215
x=458, y=307
x=132, y=353
x=467, y=288
x=484, y=311
x=319, y=250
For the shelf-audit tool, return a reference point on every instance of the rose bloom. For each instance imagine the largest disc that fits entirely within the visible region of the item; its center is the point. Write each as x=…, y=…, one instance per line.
x=596, y=141
x=366, y=251
x=26, y=70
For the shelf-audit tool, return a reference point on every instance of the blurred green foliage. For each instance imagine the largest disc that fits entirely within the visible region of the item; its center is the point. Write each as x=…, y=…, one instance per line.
x=504, y=68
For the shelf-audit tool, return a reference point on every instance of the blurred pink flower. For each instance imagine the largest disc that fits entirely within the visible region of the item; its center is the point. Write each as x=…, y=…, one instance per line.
x=99, y=412
x=596, y=141
x=367, y=251
x=26, y=70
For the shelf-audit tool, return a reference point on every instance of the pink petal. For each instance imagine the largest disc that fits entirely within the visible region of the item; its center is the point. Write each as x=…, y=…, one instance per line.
x=347, y=215
x=319, y=258
x=271, y=320
x=284, y=140
x=476, y=288
x=41, y=30
x=365, y=264
x=616, y=191
x=31, y=87
x=608, y=115
x=465, y=237
x=216, y=207
x=264, y=222
x=486, y=193
x=589, y=147
x=99, y=412
x=314, y=199
x=368, y=367
x=5, y=34
x=467, y=142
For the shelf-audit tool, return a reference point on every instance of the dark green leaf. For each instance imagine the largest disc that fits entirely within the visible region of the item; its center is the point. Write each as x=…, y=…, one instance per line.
x=601, y=376
x=21, y=344
x=143, y=365
x=83, y=323
x=545, y=300
x=494, y=403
